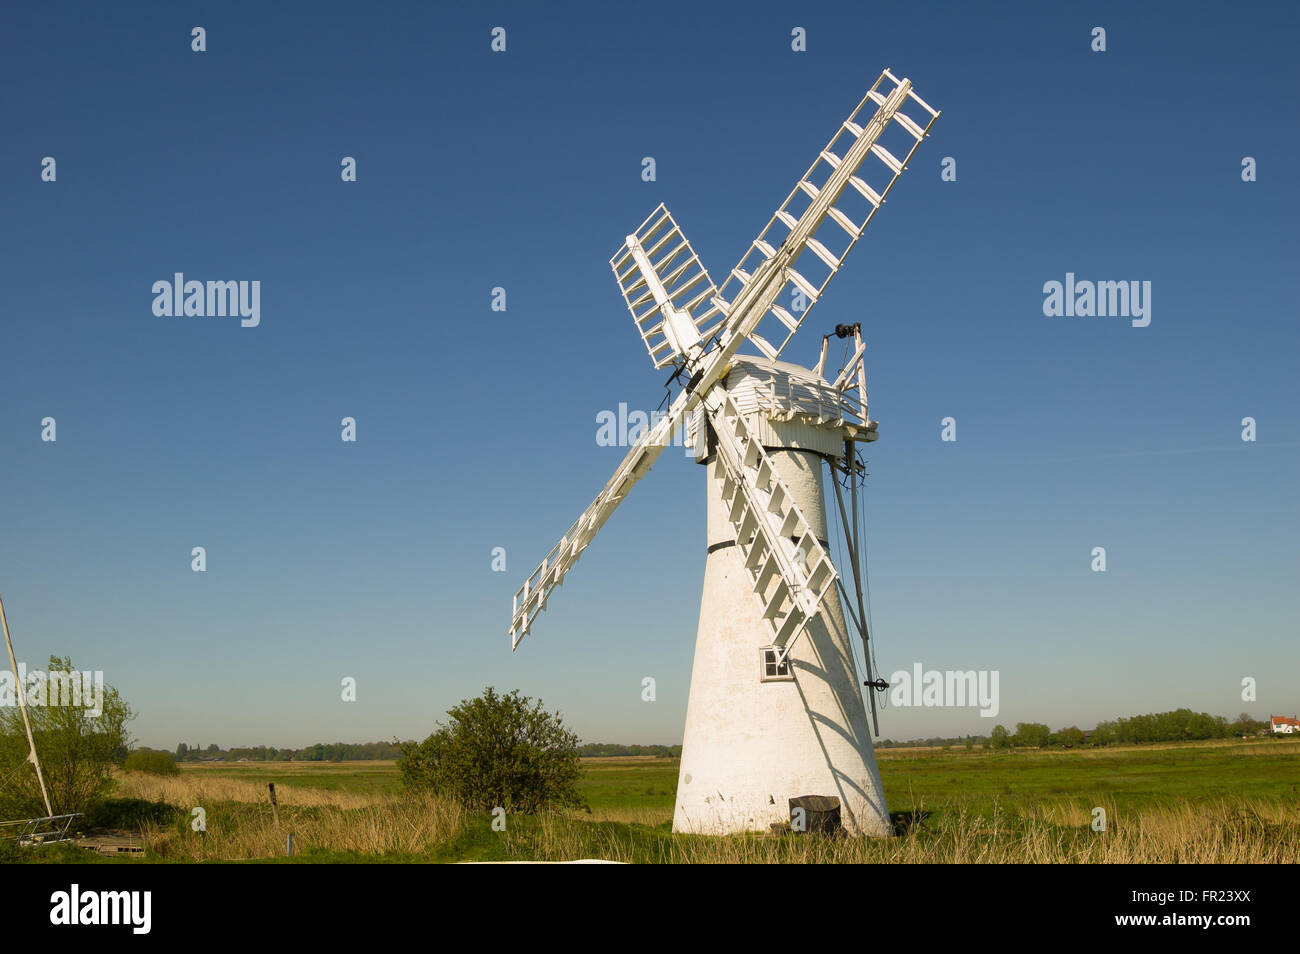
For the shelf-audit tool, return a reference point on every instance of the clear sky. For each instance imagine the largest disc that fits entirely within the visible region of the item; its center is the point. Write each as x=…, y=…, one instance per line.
x=476, y=429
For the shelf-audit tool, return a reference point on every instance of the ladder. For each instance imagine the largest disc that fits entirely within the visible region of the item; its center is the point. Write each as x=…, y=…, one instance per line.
x=789, y=569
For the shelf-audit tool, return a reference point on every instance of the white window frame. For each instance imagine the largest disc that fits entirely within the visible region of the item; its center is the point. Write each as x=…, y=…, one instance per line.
x=763, y=676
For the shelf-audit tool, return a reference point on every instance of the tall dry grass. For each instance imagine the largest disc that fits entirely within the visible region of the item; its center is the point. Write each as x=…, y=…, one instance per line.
x=1238, y=832
x=189, y=789
x=1221, y=832
x=241, y=826
x=389, y=825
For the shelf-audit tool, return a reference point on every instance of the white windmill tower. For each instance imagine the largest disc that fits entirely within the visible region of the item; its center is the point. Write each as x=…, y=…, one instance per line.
x=775, y=710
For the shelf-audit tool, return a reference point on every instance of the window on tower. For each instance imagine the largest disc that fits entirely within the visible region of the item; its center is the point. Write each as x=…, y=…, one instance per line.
x=771, y=670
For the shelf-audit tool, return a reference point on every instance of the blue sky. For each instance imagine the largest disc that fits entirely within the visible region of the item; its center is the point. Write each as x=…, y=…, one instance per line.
x=476, y=429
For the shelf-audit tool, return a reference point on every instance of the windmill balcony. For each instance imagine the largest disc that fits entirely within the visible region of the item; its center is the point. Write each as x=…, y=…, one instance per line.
x=793, y=406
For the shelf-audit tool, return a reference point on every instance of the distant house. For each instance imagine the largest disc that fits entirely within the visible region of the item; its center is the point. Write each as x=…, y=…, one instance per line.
x=1284, y=726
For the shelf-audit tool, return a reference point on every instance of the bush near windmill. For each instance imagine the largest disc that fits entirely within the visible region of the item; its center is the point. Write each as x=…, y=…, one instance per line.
x=497, y=751
x=151, y=761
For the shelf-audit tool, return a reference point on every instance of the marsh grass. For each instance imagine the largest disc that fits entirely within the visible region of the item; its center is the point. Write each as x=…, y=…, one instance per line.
x=239, y=831
x=189, y=789
x=1220, y=832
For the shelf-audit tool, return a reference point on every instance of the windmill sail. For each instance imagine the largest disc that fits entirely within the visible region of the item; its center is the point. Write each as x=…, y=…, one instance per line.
x=662, y=279
x=531, y=598
x=806, y=241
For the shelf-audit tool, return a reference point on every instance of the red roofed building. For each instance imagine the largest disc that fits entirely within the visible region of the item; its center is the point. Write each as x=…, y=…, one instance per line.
x=1284, y=726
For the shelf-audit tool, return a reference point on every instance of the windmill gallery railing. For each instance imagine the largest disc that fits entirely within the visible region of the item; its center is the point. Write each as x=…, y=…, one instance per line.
x=790, y=398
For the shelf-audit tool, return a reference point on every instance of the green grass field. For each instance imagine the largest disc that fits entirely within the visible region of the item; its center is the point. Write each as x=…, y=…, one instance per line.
x=1132, y=776
x=616, y=783
x=914, y=779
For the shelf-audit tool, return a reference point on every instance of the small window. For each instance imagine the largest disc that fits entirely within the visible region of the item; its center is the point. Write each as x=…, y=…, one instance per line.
x=771, y=670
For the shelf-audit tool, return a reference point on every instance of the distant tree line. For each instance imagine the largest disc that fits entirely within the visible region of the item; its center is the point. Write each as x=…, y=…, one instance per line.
x=1175, y=726
x=602, y=749
x=320, y=752
x=361, y=751
x=1178, y=725
x=968, y=741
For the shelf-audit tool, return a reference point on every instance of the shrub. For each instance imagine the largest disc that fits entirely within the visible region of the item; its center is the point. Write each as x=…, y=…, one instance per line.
x=151, y=761
x=497, y=751
x=128, y=813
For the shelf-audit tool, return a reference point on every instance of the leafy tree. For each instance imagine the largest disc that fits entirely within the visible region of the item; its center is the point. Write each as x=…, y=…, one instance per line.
x=999, y=738
x=1178, y=725
x=497, y=751
x=1032, y=734
x=1071, y=737
x=77, y=748
x=1245, y=725
x=1104, y=734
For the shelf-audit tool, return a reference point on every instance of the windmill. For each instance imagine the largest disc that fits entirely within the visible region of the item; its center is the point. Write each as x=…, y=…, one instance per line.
x=775, y=711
